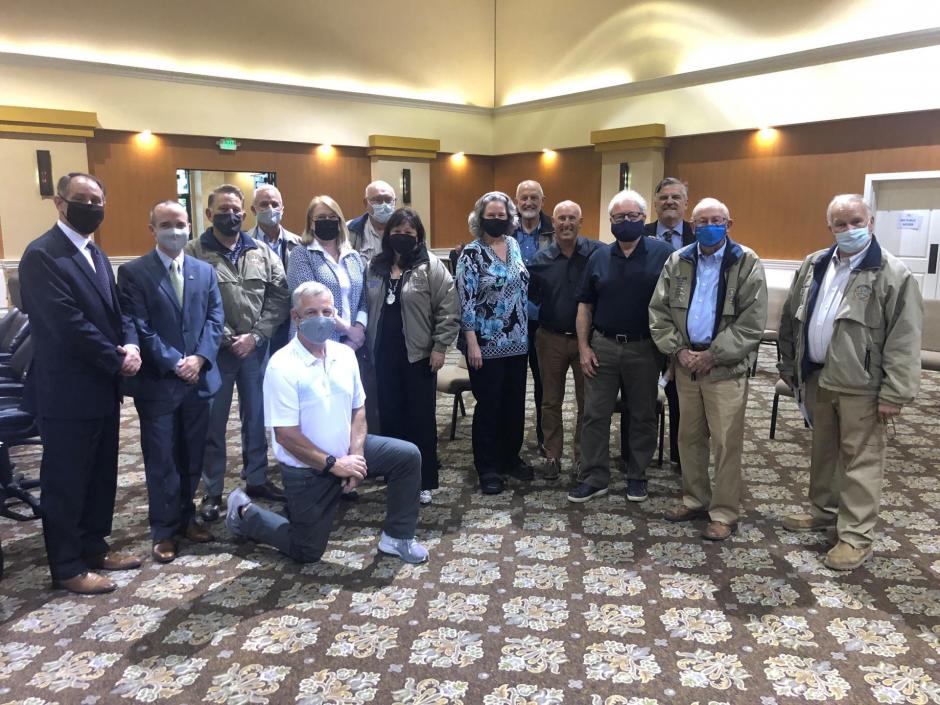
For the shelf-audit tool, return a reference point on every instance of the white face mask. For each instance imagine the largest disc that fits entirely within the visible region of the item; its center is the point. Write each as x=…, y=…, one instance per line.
x=173, y=239
x=382, y=211
x=270, y=217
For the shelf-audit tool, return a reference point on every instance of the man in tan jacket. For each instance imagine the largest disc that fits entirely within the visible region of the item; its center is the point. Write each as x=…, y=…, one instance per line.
x=709, y=312
x=850, y=346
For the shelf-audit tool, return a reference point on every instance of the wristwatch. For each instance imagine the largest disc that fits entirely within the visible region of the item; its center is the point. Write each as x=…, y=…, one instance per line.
x=330, y=462
x=258, y=339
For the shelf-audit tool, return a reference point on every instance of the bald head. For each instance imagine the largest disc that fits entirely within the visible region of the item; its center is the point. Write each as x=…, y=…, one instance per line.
x=710, y=207
x=845, y=202
x=380, y=203
x=566, y=218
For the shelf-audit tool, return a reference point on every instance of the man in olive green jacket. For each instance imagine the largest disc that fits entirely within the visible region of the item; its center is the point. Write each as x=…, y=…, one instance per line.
x=850, y=347
x=709, y=312
x=256, y=301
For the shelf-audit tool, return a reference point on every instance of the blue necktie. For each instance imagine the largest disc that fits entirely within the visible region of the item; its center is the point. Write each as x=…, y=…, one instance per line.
x=101, y=273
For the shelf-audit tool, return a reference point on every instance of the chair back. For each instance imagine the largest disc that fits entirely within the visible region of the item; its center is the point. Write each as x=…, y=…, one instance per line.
x=776, y=296
x=931, y=327
x=10, y=326
x=22, y=359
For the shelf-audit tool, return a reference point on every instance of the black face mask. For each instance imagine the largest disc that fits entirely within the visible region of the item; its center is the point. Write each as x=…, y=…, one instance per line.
x=402, y=244
x=84, y=217
x=494, y=227
x=227, y=223
x=326, y=229
x=628, y=230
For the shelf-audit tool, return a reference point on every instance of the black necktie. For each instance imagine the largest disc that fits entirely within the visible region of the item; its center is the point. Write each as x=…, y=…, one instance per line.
x=669, y=235
x=101, y=273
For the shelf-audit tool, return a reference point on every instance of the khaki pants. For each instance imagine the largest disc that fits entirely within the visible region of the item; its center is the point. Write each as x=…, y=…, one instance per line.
x=711, y=409
x=847, y=462
x=556, y=353
x=634, y=367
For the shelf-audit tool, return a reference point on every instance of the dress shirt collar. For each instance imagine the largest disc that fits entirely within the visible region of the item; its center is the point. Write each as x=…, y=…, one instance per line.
x=344, y=248
x=661, y=229
x=167, y=261
x=854, y=260
x=307, y=358
x=716, y=255
x=80, y=241
x=262, y=236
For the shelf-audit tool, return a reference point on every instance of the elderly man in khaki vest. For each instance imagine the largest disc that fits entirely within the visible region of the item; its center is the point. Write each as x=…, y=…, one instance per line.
x=709, y=312
x=850, y=346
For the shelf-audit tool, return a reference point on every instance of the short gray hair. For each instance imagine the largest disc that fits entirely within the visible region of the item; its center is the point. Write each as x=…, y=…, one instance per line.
x=673, y=181
x=266, y=187
x=378, y=183
x=473, y=220
x=311, y=288
x=846, y=199
x=627, y=195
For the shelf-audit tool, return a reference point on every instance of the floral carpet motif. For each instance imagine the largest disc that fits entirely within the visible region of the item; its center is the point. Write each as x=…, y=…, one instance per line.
x=527, y=599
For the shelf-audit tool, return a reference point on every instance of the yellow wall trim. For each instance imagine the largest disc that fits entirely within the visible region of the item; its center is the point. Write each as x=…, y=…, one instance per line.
x=403, y=147
x=42, y=121
x=651, y=136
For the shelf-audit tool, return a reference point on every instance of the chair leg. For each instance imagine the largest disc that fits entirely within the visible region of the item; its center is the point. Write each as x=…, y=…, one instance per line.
x=463, y=410
x=773, y=416
x=453, y=417
x=662, y=432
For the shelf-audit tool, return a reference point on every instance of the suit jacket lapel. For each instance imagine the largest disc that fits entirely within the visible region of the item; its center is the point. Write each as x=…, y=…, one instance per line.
x=162, y=275
x=89, y=273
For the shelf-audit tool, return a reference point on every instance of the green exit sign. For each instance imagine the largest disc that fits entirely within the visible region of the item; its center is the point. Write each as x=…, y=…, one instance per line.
x=227, y=144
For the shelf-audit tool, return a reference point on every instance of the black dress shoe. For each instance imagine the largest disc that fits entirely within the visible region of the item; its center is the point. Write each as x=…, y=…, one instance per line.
x=266, y=491
x=493, y=485
x=210, y=507
x=522, y=471
x=350, y=496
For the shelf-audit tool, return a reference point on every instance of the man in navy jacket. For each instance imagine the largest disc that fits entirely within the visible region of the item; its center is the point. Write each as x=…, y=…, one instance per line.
x=84, y=344
x=175, y=302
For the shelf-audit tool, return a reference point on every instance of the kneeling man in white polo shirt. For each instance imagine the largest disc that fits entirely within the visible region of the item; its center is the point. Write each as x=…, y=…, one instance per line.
x=315, y=404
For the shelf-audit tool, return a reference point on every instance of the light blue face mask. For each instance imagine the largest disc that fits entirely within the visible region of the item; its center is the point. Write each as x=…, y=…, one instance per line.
x=853, y=241
x=711, y=235
x=382, y=211
x=317, y=329
x=270, y=217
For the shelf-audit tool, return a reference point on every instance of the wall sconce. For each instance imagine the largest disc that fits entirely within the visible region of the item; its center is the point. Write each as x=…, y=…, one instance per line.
x=624, y=175
x=44, y=168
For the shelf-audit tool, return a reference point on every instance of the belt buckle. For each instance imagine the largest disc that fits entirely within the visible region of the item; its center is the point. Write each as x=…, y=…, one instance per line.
x=621, y=338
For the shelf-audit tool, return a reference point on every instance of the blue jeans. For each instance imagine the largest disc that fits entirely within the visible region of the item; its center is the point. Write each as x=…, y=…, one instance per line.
x=248, y=374
x=312, y=500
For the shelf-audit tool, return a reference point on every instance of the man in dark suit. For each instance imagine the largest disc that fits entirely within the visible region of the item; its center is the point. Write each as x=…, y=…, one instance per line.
x=175, y=302
x=84, y=344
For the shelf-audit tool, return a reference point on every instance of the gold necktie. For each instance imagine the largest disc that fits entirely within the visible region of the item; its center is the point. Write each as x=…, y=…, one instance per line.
x=176, y=279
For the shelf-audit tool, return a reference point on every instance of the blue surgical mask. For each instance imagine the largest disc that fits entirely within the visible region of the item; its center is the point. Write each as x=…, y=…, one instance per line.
x=711, y=235
x=853, y=241
x=317, y=329
x=628, y=230
x=269, y=217
x=382, y=211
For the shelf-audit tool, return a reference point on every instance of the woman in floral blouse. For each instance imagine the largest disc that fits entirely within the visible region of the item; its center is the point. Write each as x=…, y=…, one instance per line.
x=493, y=284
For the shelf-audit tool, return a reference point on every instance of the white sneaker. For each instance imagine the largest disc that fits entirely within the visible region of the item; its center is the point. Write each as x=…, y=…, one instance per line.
x=424, y=497
x=409, y=550
x=233, y=520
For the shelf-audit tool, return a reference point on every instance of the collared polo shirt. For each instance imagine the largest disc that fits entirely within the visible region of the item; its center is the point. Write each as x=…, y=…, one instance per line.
x=554, y=283
x=620, y=288
x=318, y=395
x=704, y=304
x=828, y=302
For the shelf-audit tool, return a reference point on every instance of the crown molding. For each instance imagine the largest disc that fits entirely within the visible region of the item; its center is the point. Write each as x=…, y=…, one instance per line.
x=862, y=48
x=123, y=71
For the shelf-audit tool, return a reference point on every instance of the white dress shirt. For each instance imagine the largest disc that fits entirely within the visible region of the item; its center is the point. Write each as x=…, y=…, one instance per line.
x=828, y=301
x=318, y=395
x=342, y=276
x=80, y=241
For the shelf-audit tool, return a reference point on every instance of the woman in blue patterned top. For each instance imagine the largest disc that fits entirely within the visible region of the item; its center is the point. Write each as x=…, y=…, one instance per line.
x=327, y=258
x=493, y=285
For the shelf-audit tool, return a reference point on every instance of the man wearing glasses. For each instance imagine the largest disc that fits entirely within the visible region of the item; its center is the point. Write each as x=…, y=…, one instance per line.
x=850, y=337
x=616, y=348
x=365, y=232
x=709, y=312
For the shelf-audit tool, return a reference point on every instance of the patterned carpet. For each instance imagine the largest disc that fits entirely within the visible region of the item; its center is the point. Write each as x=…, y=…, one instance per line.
x=527, y=600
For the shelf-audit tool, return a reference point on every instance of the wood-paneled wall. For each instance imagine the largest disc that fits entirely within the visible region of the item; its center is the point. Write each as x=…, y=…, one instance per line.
x=778, y=190
x=568, y=174
x=456, y=184
x=137, y=175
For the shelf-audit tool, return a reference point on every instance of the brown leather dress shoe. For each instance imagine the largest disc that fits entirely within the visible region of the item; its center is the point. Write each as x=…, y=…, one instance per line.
x=718, y=531
x=684, y=513
x=86, y=584
x=112, y=560
x=164, y=551
x=197, y=533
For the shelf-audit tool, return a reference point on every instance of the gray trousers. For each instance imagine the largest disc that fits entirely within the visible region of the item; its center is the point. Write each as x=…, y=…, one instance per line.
x=635, y=367
x=312, y=500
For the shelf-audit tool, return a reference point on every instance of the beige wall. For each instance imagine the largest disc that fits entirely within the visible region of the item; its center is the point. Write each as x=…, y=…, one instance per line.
x=608, y=42
x=408, y=48
x=24, y=214
x=390, y=171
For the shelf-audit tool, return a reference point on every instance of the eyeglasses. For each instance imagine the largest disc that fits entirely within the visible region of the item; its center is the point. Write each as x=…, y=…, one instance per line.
x=325, y=217
x=375, y=200
x=716, y=220
x=632, y=216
